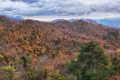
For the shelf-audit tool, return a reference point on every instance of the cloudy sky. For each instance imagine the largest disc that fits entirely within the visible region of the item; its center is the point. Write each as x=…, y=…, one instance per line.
x=47, y=9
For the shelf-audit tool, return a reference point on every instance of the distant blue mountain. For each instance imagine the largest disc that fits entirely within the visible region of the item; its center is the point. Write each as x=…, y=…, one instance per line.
x=112, y=22
x=17, y=18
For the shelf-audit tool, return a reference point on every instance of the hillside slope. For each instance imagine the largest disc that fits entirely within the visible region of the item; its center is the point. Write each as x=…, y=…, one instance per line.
x=59, y=35
x=52, y=43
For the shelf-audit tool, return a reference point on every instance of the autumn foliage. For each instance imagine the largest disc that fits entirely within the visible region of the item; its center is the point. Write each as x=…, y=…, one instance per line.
x=34, y=50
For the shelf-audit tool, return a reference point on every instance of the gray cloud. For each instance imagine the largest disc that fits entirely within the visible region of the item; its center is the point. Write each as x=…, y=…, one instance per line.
x=27, y=1
x=58, y=7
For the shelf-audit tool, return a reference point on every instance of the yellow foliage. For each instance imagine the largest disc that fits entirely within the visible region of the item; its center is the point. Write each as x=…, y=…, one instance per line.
x=118, y=50
x=1, y=56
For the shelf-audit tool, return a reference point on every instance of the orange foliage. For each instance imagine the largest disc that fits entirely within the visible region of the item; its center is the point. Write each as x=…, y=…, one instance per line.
x=49, y=67
x=34, y=61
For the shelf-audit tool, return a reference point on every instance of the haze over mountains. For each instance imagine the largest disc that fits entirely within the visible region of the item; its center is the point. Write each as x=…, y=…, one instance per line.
x=112, y=22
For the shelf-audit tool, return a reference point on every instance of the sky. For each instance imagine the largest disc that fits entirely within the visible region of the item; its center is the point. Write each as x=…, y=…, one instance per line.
x=67, y=9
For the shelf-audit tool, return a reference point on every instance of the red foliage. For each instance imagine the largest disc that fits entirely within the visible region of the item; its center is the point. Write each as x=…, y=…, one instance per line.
x=8, y=54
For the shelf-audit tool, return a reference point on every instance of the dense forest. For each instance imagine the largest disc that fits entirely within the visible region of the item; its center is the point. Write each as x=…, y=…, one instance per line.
x=61, y=50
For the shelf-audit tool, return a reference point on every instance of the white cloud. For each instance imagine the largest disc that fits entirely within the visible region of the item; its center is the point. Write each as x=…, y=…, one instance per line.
x=60, y=7
x=94, y=15
x=93, y=2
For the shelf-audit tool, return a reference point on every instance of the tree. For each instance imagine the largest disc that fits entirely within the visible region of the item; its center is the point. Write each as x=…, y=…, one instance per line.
x=92, y=63
x=116, y=63
x=27, y=60
x=10, y=71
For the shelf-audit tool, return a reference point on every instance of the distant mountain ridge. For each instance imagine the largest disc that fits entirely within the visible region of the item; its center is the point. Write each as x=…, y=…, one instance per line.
x=112, y=22
x=16, y=18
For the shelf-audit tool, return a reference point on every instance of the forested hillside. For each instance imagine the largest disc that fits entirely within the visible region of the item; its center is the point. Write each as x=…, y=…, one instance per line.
x=61, y=50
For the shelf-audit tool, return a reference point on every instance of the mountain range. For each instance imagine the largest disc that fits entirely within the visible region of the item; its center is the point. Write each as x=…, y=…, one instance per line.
x=111, y=22
x=51, y=44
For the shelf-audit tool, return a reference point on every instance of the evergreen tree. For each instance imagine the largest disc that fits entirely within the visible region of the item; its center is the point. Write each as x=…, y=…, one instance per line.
x=92, y=63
